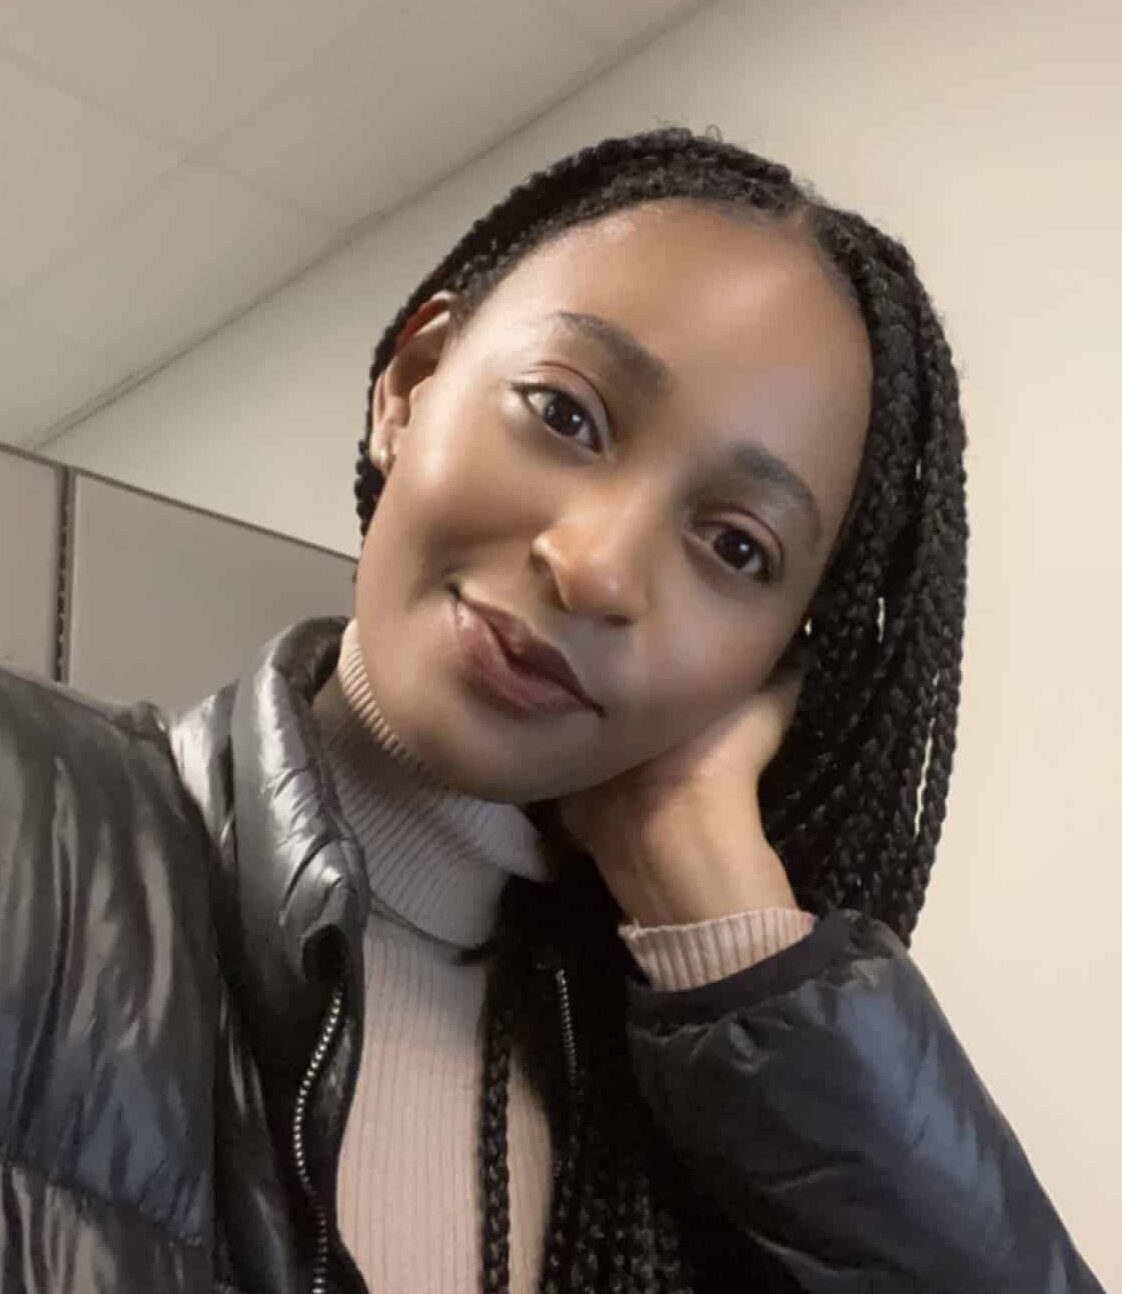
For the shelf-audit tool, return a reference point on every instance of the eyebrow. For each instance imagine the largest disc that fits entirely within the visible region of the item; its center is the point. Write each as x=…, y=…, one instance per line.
x=627, y=350
x=759, y=466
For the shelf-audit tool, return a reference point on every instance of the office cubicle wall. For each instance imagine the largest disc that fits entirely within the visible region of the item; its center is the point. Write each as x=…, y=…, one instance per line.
x=30, y=525
x=128, y=596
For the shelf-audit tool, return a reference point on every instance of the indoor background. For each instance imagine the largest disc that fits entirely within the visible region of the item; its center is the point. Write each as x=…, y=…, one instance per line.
x=211, y=211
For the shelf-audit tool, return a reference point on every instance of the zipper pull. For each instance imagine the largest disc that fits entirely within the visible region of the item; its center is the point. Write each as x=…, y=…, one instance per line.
x=547, y=958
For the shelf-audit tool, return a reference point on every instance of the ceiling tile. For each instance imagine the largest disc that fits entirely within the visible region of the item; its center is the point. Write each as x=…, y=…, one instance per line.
x=623, y=21
x=44, y=377
x=406, y=100
x=184, y=68
x=67, y=169
x=202, y=247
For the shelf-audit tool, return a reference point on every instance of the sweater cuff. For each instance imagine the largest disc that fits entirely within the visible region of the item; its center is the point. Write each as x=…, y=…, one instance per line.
x=687, y=956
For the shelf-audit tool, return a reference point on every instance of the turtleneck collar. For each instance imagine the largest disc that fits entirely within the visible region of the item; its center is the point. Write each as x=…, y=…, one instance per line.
x=437, y=860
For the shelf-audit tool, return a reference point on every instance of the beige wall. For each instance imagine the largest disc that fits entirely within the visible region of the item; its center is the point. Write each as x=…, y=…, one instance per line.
x=987, y=138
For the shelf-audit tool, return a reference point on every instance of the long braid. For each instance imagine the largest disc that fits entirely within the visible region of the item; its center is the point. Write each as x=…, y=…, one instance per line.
x=862, y=624
x=883, y=684
x=947, y=530
x=855, y=801
x=494, y=1172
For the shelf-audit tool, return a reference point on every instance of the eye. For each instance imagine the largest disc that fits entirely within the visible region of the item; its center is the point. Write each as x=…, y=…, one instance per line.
x=560, y=412
x=758, y=562
x=564, y=415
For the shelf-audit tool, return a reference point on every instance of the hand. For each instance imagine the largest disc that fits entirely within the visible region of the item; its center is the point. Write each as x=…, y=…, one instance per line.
x=679, y=838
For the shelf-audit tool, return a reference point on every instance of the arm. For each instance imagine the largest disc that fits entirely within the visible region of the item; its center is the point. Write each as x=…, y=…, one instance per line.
x=821, y=1101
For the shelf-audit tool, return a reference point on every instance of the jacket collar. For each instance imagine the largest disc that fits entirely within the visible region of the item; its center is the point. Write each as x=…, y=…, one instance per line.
x=301, y=894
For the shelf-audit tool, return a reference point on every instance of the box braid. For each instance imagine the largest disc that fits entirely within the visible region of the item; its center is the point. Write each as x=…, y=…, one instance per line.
x=855, y=800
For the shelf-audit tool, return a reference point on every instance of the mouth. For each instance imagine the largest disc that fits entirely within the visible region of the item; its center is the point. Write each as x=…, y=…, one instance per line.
x=530, y=667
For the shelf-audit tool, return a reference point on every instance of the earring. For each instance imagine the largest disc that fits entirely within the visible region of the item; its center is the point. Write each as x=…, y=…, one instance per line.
x=385, y=458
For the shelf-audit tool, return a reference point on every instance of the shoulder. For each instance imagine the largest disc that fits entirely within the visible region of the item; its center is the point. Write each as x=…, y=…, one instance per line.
x=108, y=970
x=88, y=785
x=42, y=720
x=90, y=795
x=71, y=760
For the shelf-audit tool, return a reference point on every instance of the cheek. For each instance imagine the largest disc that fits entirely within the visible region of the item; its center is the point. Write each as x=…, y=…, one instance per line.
x=463, y=476
x=702, y=673
x=446, y=483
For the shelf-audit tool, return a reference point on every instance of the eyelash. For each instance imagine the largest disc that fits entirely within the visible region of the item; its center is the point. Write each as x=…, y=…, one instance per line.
x=525, y=390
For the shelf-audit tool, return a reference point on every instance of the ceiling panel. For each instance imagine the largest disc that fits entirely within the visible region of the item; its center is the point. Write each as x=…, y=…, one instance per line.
x=407, y=98
x=67, y=168
x=184, y=68
x=168, y=163
x=623, y=20
x=44, y=377
x=202, y=246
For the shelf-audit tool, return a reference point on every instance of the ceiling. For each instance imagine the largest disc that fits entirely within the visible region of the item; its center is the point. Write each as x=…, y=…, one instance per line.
x=167, y=163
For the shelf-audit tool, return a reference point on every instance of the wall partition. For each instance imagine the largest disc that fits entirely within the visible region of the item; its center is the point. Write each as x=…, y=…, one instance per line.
x=130, y=596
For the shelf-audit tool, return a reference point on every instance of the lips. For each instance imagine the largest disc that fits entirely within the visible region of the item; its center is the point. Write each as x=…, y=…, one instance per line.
x=528, y=652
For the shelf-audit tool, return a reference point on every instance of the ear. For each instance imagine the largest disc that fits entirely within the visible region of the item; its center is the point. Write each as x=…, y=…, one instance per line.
x=419, y=346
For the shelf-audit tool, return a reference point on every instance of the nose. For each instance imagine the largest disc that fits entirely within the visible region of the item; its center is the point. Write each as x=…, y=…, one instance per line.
x=602, y=559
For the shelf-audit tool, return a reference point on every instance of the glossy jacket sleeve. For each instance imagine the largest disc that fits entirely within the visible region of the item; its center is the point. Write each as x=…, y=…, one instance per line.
x=822, y=1102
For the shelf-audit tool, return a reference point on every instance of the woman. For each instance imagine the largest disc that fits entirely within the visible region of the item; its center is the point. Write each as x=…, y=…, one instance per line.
x=544, y=926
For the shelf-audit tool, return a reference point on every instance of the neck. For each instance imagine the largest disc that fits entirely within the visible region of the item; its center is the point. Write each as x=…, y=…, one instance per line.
x=437, y=860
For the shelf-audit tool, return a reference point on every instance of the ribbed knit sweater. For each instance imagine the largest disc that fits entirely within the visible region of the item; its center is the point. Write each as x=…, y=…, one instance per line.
x=408, y=1191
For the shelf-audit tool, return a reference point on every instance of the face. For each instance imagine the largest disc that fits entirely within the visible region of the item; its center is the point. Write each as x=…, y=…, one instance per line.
x=642, y=444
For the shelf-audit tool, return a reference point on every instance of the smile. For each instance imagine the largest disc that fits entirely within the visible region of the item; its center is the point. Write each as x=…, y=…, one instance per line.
x=504, y=681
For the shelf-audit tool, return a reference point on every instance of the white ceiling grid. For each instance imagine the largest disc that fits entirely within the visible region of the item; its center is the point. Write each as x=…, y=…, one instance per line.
x=167, y=163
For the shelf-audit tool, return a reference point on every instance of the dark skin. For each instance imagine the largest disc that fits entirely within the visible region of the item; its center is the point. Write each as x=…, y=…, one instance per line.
x=602, y=510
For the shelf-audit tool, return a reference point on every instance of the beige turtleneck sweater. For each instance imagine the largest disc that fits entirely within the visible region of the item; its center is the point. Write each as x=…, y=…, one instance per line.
x=408, y=1194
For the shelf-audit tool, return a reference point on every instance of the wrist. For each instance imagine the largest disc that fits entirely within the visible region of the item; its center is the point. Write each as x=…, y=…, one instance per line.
x=694, y=866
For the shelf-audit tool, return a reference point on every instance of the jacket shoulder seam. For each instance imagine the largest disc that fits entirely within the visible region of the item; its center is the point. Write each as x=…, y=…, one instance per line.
x=124, y=718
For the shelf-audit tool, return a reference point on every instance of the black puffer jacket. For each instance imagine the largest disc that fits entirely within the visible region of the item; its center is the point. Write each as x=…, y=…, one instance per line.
x=180, y=1023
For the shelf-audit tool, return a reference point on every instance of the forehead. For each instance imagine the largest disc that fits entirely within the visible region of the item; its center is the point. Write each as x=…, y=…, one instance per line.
x=648, y=259
x=709, y=295
x=758, y=338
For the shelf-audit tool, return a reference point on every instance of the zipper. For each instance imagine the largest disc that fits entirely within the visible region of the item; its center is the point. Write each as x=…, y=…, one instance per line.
x=328, y=1030
x=567, y=1035
x=327, y=1033
x=549, y=959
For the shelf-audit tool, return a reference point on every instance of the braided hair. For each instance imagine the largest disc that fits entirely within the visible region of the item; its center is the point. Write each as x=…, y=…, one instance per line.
x=855, y=800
